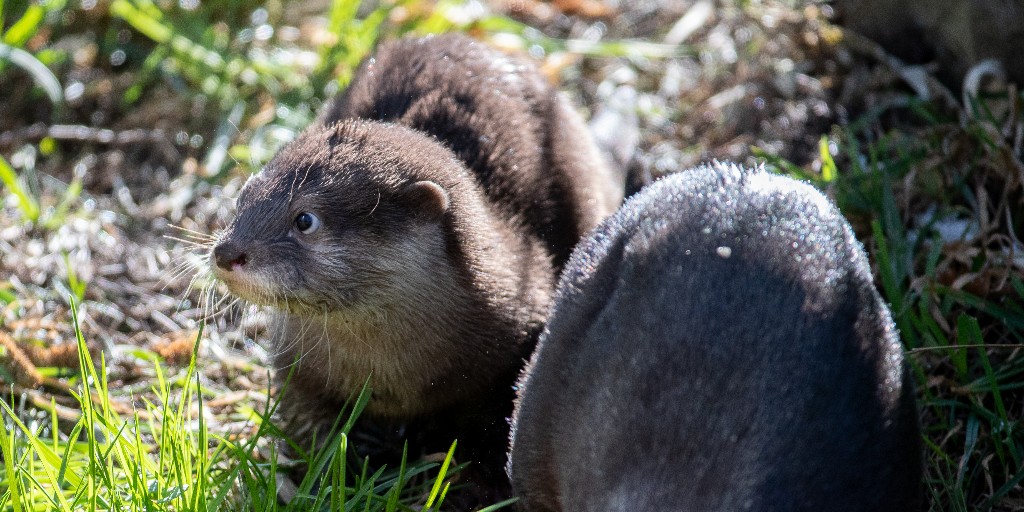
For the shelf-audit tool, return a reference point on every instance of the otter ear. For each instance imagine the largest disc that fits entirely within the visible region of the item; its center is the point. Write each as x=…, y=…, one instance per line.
x=428, y=198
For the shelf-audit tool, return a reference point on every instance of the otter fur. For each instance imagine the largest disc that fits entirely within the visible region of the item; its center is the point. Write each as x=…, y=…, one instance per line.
x=413, y=235
x=718, y=345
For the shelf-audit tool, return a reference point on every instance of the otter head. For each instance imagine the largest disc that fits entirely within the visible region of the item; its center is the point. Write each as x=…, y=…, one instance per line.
x=337, y=217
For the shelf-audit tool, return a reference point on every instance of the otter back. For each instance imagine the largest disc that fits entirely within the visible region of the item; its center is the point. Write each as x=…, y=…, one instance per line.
x=530, y=151
x=718, y=345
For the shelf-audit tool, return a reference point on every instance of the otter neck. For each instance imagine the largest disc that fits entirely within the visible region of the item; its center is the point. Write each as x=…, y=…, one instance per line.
x=405, y=335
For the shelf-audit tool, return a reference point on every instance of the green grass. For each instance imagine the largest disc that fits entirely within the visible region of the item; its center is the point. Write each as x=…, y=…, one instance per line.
x=241, y=76
x=964, y=340
x=163, y=457
x=18, y=33
x=958, y=306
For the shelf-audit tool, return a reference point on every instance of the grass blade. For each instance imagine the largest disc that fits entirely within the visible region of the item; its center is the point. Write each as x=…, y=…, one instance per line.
x=27, y=204
x=440, y=477
x=40, y=73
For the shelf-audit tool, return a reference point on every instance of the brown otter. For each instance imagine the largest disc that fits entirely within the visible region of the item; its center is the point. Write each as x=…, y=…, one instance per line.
x=415, y=233
x=717, y=345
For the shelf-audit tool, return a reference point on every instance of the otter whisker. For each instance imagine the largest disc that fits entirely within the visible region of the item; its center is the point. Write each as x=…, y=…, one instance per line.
x=295, y=339
x=299, y=340
x=183, y=265
x=229, y=301
x=324, y=336
x=217, y=307
x=374, y=206
x=305, y=175
x=192, y=234
x=191, y=285
x=226, y=309
x=356, y=336
x=192, y=244
x=305, y=352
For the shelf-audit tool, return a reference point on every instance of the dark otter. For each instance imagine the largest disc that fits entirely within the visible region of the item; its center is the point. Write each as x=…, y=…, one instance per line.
x=718, y=345
x=415, y=232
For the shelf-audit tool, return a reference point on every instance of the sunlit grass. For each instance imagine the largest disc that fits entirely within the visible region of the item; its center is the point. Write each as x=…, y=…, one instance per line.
x=162, y=456
x=956, y=299
x=160, y=453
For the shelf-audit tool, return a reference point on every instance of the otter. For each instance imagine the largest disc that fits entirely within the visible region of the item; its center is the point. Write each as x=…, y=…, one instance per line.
x=718, y=345
x=413, y=235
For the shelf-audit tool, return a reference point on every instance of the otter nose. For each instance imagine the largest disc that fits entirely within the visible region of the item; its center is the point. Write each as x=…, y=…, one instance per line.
x=228, y=255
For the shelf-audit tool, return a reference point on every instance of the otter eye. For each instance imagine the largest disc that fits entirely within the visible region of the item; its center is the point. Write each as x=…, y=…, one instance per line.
x=307, y=223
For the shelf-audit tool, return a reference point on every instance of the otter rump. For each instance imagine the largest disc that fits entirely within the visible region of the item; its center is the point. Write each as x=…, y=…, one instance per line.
x=414, y=235
x=718, y=345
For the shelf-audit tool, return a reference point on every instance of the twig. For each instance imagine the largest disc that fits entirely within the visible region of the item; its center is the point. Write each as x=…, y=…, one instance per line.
x=27, y=377
x=82, y=133
x=19, y=364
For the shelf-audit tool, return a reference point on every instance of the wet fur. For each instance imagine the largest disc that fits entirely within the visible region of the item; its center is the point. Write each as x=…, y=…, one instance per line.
x=443, y=228
x=718, y=345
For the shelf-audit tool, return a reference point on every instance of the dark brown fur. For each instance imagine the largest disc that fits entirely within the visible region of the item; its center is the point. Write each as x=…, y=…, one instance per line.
x=718, y=345
x=451, y=182
x=529, y=150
